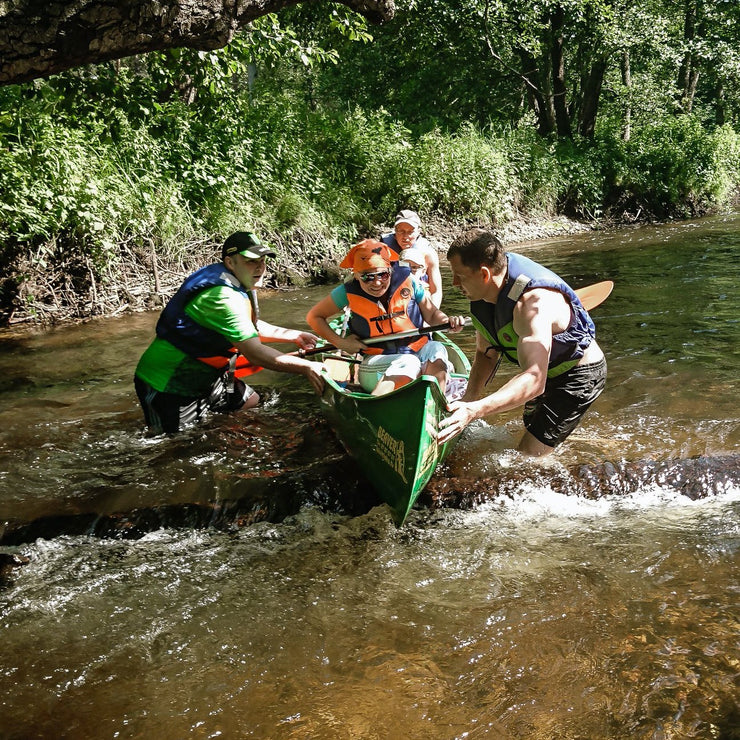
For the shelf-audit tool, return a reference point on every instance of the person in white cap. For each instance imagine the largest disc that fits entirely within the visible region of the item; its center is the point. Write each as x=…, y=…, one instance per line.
x=406, y=234
x=209, y=336
x=414, y=258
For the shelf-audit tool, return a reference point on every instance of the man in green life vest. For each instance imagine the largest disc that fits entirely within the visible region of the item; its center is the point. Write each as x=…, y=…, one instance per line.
x=209, y=337
x=527, y=313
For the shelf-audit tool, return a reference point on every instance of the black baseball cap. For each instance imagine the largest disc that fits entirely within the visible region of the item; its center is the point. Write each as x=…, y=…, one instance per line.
x=247, y=244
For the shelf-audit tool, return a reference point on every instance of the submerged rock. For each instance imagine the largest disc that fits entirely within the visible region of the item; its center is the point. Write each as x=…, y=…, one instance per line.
x=335, y=487
x=330, y=486
x=695, y=478
x=8, y=563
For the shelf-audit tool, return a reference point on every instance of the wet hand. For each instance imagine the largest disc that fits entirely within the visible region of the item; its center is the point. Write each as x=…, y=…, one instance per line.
x=461, y=415
x=306, y=340
x=315, y=375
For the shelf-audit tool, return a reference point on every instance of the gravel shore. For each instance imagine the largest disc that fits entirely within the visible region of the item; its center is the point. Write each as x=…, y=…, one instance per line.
x=441, y=235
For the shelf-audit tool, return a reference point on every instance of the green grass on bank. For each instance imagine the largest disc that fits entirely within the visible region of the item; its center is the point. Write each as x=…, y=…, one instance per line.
x=88, y=198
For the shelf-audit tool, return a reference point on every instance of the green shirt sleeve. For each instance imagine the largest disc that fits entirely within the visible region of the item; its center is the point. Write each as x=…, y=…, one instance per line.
x=225, y=311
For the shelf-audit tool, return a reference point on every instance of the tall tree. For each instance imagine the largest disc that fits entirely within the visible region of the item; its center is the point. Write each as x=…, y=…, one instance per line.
x=688, y=74
x=626, y=71
x=563, y=48
x=710, y=50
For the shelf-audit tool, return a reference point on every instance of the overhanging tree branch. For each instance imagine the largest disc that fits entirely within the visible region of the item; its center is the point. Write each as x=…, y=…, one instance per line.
x=523, y=77
x=39, y=38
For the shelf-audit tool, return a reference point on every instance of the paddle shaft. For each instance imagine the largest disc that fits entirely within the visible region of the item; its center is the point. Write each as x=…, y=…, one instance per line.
x=383, y=339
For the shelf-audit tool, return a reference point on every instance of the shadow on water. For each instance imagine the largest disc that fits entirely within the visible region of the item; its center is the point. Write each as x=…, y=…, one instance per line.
x=331, y=485
x=228, y=473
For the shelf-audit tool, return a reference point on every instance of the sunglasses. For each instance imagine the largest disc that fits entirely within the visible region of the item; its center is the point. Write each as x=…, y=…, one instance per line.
x=370, y=276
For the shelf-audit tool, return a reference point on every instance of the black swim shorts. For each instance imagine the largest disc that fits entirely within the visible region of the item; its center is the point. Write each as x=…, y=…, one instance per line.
x=169, y=412
x=551, y=417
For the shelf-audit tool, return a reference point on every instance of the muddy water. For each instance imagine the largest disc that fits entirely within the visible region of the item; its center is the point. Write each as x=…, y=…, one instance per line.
x=303, y=613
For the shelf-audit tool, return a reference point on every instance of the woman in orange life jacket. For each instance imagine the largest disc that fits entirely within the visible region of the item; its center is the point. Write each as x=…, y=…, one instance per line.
x=384, y=298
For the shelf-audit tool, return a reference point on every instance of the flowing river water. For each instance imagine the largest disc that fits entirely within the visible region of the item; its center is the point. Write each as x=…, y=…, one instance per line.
x=240, y=580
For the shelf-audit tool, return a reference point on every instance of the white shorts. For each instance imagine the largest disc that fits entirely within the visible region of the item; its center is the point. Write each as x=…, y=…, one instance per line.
x=409, y=365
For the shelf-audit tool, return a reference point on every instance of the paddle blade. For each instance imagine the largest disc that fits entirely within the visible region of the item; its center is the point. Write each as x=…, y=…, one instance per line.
x=594, y=295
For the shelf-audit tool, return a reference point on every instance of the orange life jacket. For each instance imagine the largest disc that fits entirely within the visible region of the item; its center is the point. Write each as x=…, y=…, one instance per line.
x=241, y=365
x=374, y=318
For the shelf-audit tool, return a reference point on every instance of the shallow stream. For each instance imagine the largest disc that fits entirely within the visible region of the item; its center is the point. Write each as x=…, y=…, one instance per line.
x=239, y=580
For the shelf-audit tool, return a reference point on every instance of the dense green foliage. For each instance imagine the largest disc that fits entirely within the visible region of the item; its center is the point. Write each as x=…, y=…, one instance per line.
x=153, y=160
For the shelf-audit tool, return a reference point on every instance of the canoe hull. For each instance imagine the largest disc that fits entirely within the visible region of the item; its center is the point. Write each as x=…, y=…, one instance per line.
x=394, y=437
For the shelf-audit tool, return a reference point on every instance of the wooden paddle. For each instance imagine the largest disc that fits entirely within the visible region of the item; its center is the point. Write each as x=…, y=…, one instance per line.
x=594, y=295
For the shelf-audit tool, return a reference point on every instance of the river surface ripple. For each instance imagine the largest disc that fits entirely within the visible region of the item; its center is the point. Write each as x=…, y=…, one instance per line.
x=534, y=613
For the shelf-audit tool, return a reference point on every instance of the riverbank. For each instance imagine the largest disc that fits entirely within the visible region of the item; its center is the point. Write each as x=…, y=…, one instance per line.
x=441, y=234
x=72, y=295
x=69, y=293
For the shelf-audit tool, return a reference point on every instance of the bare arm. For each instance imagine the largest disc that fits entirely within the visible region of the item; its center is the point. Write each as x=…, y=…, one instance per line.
x=272, y=333
x=534, y=326
x=430, y=312
x=260, y=354
x=434, y=275
x=433, y=315
x=484, y=363
x=317, y=319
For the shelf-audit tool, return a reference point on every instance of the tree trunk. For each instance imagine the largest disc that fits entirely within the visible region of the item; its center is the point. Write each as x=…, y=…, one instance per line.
x=590, y=96
x=691, y=90
x=627, y=82
x=537, y=87
x=38, y=39
x=557, y=60
x=688, y=74
x=720, y=115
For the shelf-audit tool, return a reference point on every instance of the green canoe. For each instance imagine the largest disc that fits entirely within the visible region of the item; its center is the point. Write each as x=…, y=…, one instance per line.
x=393, y=437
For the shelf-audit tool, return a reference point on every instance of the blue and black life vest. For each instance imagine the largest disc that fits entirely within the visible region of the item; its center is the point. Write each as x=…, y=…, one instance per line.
x=197, y=341
x=495, y=320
